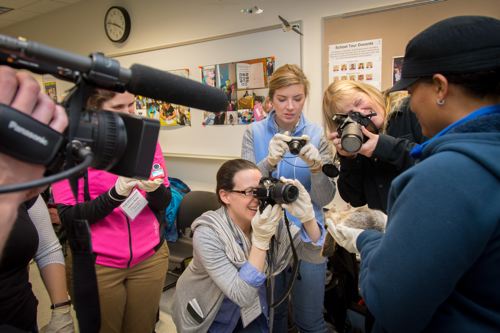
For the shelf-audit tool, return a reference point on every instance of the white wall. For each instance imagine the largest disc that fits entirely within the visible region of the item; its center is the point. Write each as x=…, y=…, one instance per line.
x=79, y=28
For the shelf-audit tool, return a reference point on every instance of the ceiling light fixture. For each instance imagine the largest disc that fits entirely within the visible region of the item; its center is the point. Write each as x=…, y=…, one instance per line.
x=252, y=10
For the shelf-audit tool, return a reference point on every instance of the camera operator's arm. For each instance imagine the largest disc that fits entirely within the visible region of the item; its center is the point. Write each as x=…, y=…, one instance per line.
x=22, y=92
x=402, y=134
x=100, y=207
x=248, y=153
x=277, y=148
x=322, y=187
x=50, y=261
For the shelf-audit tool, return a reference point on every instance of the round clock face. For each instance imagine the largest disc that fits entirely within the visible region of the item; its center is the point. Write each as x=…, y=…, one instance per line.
x=117, y=24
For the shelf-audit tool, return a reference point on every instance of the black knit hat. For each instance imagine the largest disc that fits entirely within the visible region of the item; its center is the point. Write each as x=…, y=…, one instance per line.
x=457, y=45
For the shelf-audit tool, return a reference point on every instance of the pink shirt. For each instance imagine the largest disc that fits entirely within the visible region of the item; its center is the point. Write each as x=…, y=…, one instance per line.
x=116, y=240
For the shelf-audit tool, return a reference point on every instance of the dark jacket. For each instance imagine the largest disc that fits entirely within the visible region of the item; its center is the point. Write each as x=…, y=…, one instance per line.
x=18, y=304
x=366, y=181
x=437, y=269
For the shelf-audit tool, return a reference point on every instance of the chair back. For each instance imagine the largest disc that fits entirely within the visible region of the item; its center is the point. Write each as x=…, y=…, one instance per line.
x=193, y=205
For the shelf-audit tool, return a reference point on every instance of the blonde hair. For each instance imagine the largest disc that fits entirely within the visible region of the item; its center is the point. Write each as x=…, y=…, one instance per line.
x=285, y=76
x=340, y=90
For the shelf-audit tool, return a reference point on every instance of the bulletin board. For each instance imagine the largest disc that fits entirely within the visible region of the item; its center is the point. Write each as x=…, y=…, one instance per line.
x=396, y=27
x=224, y=141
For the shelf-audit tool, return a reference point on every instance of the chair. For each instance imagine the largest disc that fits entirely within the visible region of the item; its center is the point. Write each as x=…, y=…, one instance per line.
x=193, y=205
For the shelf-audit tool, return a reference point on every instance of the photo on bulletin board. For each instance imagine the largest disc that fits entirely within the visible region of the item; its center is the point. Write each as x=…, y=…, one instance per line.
x=51, y=90
x=169, y=115
x=226, y=79
x=232, y=118
x=397, y=68
x=50, y=86
x=214, y=118
x=252, y=74
x=231, y=78
x=245, y=116
x=208, y=75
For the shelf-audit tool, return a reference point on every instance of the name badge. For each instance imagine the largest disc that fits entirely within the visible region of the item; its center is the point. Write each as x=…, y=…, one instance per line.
x=134, y=204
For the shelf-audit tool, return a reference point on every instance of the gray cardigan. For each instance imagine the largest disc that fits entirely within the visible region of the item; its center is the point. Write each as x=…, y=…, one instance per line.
x=214, y=271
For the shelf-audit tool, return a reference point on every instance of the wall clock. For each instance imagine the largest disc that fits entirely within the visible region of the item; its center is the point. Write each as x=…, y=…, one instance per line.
x=117, y=24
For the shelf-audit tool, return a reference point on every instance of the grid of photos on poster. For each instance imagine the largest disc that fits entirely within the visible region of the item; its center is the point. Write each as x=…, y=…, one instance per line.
x=245, y=84
x=167, y=113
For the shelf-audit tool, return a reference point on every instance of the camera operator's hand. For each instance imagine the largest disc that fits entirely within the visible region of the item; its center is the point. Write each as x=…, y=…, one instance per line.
x=264, y=226
x=125, y=185
x=277, y=148
x=21, y=91
x=60, y=321
x=301, y=208
x=369, y=146
x=310, y=155
x=150, y=185
x=344, y=236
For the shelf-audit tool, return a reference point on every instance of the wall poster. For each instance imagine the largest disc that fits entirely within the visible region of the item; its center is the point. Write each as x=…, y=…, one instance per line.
x=356, y=61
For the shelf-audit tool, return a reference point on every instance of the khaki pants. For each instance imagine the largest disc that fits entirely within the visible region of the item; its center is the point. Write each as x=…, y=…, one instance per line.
x=130, y=297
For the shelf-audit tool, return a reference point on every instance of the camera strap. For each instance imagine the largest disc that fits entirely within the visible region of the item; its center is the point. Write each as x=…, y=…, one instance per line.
x=271, y=285
x=86, y=298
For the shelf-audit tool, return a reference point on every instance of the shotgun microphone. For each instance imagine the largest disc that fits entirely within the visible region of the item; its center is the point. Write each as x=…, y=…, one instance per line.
x=107, y=73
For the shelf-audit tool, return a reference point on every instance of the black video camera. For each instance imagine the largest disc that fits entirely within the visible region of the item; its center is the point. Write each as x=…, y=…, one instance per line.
x=273, y=191
x=119, y=143
x=296, y=144
x=349, y=129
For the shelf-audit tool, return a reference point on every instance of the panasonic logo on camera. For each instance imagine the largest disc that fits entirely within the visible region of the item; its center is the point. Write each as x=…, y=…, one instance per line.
x=27, y=133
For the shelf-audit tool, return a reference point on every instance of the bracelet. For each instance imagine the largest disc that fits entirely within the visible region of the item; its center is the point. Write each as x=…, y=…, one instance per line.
x=113, y=198
x=58, y=305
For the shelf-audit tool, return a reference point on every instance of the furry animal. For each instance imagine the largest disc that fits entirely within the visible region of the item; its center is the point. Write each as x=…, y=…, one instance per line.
x=359, y=217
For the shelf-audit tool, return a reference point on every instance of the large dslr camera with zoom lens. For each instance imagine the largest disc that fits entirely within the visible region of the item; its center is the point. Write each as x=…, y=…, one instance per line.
x=273, y=191
x=349, y=129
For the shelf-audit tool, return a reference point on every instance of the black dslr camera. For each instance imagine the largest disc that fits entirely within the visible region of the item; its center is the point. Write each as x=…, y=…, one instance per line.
x=273, y=191
x=349, y=129
x=296, y=144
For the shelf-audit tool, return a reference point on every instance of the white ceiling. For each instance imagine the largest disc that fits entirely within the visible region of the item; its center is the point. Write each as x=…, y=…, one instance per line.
x=24, y=10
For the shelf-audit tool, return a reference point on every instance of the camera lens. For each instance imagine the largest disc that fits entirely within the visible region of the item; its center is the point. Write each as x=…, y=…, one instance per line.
x=285, y=193
x=295, y=146
x=352, y=138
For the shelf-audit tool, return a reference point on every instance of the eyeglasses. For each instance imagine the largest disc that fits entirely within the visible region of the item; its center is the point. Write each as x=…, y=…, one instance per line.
x=247, y=192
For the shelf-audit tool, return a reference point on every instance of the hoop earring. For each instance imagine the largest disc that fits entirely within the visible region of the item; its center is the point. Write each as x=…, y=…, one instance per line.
x=440, y=102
